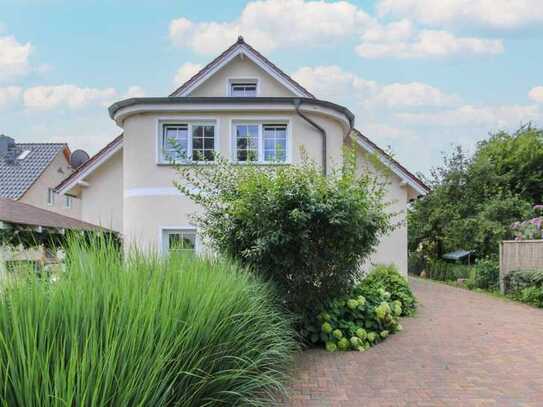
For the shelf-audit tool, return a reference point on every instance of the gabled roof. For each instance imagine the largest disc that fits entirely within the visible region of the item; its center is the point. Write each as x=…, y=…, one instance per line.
x=19, y=213
x=18, y=175
x=90, y=165
x=405, y=175
x=240, y=47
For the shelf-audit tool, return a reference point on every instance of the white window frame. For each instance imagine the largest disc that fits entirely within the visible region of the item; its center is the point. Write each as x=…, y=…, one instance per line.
x=234, y=81
x=68, y=201
x=50, y=197
x=189, y=122
x=166, y=230
x=260, y=122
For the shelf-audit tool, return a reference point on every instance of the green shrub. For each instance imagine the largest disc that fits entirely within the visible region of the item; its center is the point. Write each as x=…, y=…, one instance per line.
x=484, y=274
x=517, y=280
x=530, y=295
x=444, y=271
x=141, y=331
x=388, y=278
x=304, y=231
x=368, y=315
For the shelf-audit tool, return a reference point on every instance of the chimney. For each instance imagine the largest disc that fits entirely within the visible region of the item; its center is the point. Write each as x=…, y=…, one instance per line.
x=8, y=149
x=6, y=144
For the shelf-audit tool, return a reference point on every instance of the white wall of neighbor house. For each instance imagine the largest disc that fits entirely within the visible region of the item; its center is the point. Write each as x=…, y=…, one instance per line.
x=102, y=199
x=241, y=69
x=37, y=194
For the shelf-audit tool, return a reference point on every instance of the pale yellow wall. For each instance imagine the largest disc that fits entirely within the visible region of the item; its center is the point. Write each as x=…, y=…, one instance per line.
x=101, y=200
x=36, y=195
x=150, y=200
x=241, y=69
x=393, y=247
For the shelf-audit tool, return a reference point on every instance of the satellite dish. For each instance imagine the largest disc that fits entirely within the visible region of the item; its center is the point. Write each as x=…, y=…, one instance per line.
x=77, y=158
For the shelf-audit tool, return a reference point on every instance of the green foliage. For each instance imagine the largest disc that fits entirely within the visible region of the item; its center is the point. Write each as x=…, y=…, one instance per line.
x=530, y=295
x=517, y=280
x=141, y=331
x=443, y=271
x=484, y=274
x=475, y=200
x=388, y=278
x=364, y=317
x=306, y=232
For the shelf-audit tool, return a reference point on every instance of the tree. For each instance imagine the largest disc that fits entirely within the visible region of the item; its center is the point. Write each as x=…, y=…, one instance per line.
x=306, y=232
x=474, y=200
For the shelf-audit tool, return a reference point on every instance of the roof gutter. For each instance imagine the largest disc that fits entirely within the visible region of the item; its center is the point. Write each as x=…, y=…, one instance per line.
x=297, y=103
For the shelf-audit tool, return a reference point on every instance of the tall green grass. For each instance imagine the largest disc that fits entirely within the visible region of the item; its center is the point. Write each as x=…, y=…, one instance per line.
x=141, y=331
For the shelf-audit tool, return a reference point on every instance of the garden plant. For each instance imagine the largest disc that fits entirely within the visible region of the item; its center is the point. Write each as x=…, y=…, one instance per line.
x=142, y=331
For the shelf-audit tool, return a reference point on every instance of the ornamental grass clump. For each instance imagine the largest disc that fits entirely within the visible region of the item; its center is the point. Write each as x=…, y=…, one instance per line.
x=141, y=331
x=364, y=317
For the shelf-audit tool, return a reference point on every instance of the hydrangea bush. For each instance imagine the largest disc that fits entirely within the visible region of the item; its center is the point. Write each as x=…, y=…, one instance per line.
x=368, y=315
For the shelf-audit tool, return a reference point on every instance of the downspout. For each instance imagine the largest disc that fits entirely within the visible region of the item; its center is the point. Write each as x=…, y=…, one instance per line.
x=297, y=104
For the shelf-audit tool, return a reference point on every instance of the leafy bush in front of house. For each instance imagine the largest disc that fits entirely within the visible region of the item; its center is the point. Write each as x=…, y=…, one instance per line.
x=304, y=231
x=388, y=278
x=364, y=317
x=141, y=331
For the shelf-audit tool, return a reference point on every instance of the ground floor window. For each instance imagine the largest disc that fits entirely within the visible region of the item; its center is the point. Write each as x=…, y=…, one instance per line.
x=181, y=240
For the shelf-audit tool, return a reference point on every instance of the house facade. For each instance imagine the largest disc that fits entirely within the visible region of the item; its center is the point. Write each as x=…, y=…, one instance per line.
x=242, y=107
x=29, y=173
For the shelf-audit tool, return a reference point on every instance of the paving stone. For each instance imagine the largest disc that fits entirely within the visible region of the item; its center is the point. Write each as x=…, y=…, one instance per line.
x=462, y=349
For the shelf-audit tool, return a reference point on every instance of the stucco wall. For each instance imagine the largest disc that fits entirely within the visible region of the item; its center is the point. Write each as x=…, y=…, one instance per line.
x=37, y=194
x=101, y=201
x=151, y=201
x=217, y=85
x=393, y=247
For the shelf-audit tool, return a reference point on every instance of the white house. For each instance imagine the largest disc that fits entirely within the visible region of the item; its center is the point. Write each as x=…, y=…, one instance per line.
x=242, y=106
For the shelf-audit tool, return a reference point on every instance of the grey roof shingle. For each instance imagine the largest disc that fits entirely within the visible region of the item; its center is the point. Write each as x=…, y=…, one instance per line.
x=17, y=176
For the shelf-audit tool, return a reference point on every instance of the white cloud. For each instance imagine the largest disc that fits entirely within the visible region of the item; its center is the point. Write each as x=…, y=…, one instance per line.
x=489, y=117
x=185, y=72
x=134, y=92
x=70, y=96
x=14, y=58
x=334, y=83
x=489, y=13
x=400, y=40
x=9, y=95
x=536, y=94
x=269, y=24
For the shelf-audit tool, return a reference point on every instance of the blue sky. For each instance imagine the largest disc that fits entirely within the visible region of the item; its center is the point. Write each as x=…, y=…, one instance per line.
x=420, y=75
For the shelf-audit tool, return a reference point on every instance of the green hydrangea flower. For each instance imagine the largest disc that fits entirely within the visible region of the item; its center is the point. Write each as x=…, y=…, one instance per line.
x=337, y=334
x=352, y=304
x=372, y=336
x=361, y=333
x=361, y=300
x=326, y=328
x=355, y=342
x=384, y=334
x=343, y=344
x=325, y=316
x=382, y=310
x=331, y=346
x=397, y=308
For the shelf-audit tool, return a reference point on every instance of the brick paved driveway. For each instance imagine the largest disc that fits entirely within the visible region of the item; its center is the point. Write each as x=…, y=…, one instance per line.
x=462, y=349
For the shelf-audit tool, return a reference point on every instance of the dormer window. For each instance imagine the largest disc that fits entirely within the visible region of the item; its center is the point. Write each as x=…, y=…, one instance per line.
x=243, y=88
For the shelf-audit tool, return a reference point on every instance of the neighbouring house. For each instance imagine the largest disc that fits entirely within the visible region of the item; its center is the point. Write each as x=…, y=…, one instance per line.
x=29, y=172
x=243, y=107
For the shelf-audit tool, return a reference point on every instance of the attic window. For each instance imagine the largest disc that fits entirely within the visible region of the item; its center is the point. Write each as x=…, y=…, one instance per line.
x=243, y=88
x=23, y=155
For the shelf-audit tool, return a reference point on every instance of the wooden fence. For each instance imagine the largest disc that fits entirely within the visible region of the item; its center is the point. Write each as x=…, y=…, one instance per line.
x=519, y=255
